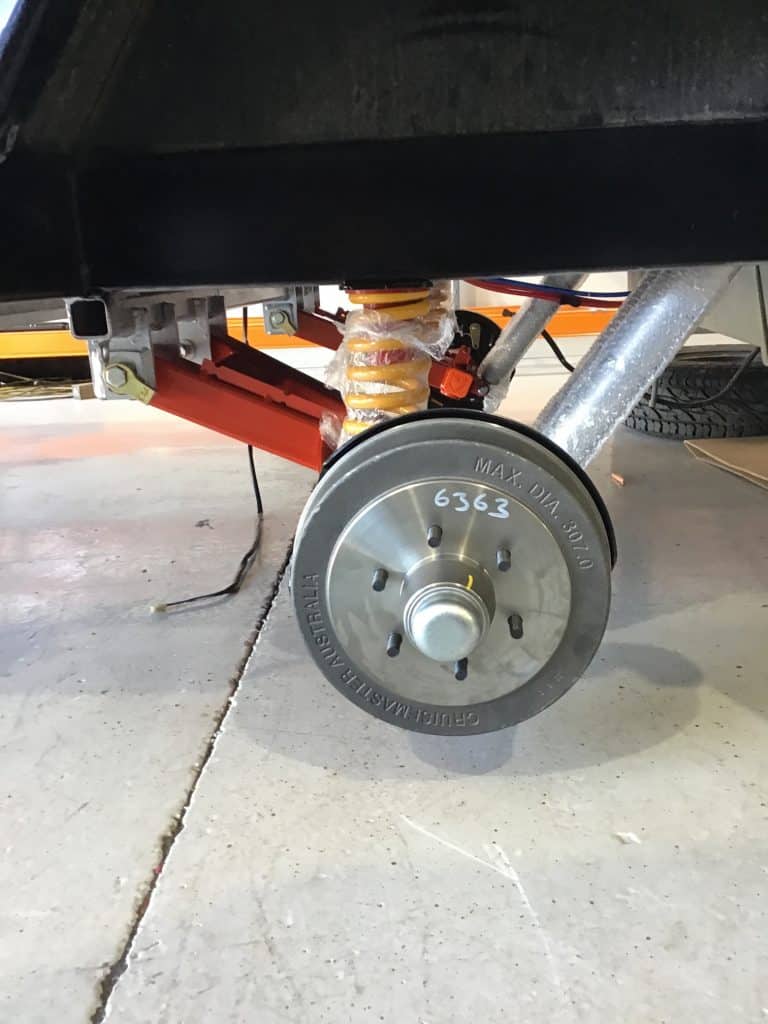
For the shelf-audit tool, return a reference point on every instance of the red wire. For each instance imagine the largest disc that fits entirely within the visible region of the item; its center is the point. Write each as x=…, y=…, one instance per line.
x=532, y=292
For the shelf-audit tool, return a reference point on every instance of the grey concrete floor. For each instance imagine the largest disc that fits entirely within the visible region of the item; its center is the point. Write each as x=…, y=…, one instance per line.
x=186, y=841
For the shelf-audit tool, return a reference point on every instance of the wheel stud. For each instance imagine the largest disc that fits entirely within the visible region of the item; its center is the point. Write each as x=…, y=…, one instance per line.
x=380, y=578
x=394, y=640
x=434, y=536
x=515, y=623
x=460, y=669
x=503, y=559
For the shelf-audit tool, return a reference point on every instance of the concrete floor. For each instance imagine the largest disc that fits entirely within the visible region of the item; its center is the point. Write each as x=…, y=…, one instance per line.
x=194, y=835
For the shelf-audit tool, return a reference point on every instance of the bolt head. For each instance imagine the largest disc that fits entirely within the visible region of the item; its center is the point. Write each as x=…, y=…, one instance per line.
x=116, y=376
x=277, y=318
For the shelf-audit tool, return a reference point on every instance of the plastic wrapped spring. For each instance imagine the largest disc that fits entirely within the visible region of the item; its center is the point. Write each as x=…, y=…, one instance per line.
x=385, y=376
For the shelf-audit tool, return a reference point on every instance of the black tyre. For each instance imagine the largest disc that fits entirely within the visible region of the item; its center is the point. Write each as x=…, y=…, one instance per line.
x=695, y=376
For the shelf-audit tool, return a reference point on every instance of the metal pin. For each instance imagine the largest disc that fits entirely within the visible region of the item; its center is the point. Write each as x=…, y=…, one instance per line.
x=434, y=536
x=460, y=669
x=515, y=623
x=380, y=578
x=503, y=559
x=394, y=640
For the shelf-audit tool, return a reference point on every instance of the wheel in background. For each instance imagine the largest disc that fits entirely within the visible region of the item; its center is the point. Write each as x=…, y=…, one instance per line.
x=695, y=375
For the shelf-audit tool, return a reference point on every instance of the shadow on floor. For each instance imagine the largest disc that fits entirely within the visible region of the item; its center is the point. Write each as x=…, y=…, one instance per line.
x=634, y=697
x=601, y=719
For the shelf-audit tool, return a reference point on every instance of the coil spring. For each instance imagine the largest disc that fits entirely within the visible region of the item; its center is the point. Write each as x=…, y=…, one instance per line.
x=397, y=372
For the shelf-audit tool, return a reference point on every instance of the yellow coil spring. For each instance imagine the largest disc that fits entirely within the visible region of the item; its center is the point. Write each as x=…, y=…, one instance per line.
x=403, y=370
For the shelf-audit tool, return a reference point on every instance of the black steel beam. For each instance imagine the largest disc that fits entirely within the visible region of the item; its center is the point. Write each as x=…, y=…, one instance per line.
x=455, y=207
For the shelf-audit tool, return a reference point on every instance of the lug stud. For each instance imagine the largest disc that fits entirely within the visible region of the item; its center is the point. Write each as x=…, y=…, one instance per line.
x=503, y=559
x=515, y=623
x=394, y=641
x=460, y=669
x=434, y=536
x=380, y=578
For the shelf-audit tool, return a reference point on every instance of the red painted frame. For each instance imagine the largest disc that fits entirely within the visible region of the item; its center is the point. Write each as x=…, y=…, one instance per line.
x=251, y=397
x=248, y=395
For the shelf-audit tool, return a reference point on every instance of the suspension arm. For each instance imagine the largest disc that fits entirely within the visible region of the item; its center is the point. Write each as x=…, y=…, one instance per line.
x=250, y=397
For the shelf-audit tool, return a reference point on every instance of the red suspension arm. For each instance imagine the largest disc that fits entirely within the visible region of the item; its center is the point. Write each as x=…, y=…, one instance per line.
x=250, y=397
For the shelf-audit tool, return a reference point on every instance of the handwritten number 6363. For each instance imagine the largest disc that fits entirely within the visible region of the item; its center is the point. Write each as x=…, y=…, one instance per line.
x=459, y=501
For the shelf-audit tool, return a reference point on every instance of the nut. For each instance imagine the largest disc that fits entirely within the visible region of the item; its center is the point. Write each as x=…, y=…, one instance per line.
x=115, y=376
x=277, y=318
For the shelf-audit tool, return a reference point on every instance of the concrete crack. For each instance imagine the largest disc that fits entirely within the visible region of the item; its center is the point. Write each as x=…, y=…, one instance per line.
x=118, y=966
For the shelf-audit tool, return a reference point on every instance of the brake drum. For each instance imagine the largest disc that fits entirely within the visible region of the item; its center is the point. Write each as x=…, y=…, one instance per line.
x=451, y=572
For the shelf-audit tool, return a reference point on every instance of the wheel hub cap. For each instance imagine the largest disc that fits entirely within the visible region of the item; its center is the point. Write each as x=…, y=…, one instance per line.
x=446, y=621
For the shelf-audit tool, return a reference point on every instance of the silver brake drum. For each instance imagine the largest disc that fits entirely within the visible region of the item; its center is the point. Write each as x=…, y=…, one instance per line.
x=451, y=572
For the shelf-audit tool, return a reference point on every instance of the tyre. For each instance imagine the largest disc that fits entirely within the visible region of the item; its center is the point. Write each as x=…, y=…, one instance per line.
x=697, y=374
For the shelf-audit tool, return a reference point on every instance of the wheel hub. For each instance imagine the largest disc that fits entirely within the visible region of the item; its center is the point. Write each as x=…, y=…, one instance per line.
x=448, y=604
x=451, y=573
x=446, y=621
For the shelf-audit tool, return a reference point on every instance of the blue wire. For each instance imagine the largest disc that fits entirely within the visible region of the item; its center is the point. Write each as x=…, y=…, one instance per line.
x=568, y=292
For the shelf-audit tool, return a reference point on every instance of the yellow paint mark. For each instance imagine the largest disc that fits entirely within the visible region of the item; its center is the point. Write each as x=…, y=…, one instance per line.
x=470, y=581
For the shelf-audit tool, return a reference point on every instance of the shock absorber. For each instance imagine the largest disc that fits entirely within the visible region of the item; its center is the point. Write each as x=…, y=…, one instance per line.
x=387, y=352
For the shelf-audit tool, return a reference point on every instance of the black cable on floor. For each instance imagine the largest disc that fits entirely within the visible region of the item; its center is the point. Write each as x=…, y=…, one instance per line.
x=245, y=562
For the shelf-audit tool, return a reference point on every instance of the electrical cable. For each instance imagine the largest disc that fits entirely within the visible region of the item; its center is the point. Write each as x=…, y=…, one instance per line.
x=700, y=403
x=564, y=296
x=534, y=291
x=14, y=387
x=255, y=481
x=245, y=562
x=248, y=558
x=42, y=393
x=579, y=292
x=652, y=397
x=557, y=350
x=20, y=378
